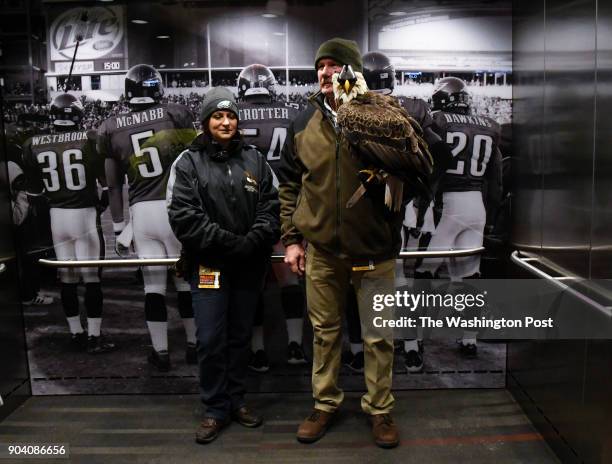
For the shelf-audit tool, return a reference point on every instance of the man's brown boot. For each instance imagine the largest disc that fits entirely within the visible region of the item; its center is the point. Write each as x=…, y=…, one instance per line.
x=384, y=431
x=314, y=426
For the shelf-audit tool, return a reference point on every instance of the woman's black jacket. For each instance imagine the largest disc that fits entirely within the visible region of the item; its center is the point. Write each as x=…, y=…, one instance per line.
x=222, y=204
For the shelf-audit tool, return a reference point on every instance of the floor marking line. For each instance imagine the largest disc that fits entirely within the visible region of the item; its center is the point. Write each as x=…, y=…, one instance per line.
x=434, y=441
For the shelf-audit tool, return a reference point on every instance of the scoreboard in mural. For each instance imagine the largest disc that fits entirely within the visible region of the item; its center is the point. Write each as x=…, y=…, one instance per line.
x=102, y=35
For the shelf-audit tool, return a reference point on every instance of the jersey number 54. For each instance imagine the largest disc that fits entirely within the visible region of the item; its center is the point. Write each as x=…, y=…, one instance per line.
x=279, y=134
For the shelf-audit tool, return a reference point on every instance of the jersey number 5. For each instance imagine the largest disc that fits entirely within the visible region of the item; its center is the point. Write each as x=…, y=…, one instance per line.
x=74, y=172
x=155, y=168
x=480, y=155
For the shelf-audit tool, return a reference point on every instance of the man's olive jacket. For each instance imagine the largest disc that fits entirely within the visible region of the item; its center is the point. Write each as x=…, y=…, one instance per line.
x=318, y=175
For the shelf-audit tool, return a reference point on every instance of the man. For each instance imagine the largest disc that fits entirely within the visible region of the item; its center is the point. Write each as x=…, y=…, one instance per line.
x=143, y=144
x=474, y=141
x=264, y=123
x=318, y=176
x=64, y=167
x=379, y=74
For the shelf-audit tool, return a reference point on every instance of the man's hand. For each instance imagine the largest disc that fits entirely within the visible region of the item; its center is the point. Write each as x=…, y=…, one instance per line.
x=295, y=258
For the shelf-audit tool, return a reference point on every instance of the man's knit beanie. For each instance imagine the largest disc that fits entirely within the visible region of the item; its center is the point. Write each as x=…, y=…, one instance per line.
x=343, y=51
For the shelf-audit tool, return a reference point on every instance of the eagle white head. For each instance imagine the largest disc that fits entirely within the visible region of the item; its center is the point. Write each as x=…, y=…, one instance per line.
x=348, y=84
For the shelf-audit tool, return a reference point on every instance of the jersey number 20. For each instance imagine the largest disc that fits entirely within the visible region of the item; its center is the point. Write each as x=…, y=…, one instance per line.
x=74, y=172
x=480, y=154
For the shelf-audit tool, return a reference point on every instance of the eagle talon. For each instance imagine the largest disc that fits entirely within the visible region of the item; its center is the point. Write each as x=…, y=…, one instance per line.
x=372, y=173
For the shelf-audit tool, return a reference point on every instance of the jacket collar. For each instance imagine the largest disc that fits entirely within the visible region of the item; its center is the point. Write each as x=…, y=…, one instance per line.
x=317, y=100
x=214, y=150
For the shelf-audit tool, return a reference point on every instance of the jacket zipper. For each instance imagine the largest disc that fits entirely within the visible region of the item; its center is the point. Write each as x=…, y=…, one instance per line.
x=231, y=179
x=338, y=196
x=313, y=100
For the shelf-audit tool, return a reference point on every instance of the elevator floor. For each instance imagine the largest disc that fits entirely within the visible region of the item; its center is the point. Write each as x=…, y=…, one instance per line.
x=437, y=426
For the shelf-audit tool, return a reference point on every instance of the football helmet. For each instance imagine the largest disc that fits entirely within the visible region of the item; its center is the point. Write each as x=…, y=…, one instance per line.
x=143, y=85
x=66, y=111
x=255, y=79
x=451, y=94
x=378, y=72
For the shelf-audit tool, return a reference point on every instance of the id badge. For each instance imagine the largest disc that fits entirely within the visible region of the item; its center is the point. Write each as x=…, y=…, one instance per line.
x=208, y=277
x=364, y=267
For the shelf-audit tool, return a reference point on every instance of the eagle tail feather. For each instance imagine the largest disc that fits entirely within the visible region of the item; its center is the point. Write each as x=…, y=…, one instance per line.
x=394, y=191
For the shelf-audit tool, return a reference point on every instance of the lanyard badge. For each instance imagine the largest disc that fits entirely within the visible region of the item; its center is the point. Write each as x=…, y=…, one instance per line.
x=209, y=278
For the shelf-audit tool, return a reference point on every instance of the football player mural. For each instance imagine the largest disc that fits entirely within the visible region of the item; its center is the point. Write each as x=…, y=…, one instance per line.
x=143, y=144
x=264, y=123
x=474, y=141
x=65, y=167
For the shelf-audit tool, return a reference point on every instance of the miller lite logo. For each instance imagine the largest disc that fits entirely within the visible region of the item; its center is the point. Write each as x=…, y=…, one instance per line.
x=100, y=33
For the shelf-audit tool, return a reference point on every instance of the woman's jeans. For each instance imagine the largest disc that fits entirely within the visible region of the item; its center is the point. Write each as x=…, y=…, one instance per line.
x=224, y=321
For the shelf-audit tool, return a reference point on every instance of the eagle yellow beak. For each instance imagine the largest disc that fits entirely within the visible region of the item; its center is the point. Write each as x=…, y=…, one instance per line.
x=348, y=78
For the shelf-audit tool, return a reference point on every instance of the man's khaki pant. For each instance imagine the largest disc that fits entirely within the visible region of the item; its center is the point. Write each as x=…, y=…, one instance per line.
x=327, y=282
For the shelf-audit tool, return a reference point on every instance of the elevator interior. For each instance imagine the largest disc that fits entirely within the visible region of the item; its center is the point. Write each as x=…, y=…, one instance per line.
x=562, y=168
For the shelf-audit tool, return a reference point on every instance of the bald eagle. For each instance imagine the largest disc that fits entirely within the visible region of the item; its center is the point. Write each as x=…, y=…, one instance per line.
x=386, y=139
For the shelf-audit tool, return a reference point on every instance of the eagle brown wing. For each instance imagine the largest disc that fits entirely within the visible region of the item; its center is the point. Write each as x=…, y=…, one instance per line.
x=385, y=136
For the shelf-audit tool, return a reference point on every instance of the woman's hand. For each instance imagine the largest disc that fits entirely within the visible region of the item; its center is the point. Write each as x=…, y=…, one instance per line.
x=245, y=248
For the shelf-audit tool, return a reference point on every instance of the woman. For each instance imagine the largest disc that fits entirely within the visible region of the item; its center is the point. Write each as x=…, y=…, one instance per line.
x=224, y=210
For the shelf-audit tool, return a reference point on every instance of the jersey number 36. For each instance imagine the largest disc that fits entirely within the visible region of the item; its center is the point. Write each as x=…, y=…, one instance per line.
x=73, y=170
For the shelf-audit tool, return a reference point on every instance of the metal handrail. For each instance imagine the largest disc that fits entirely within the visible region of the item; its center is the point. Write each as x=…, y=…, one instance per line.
x=6, y=259
x=276, y=258
x=525, y=263
x=450, y=253
x=108, y=262
x=557, y=248
x=3, y=261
